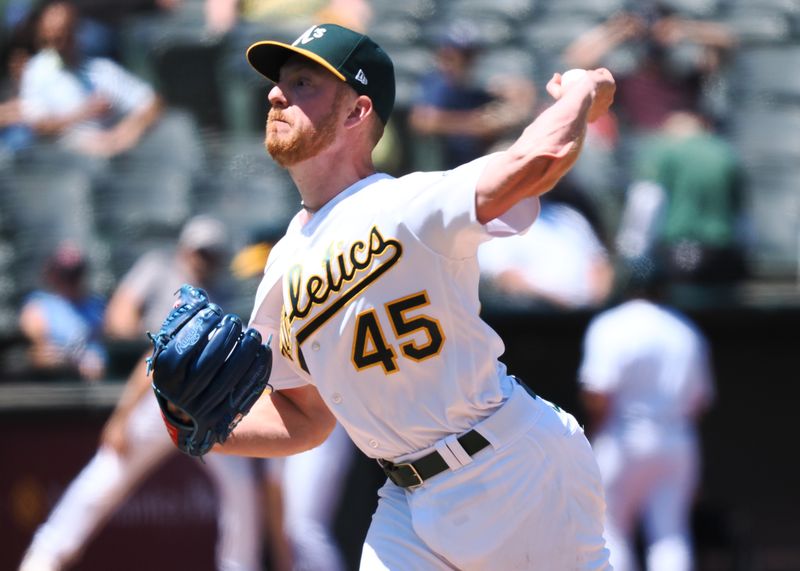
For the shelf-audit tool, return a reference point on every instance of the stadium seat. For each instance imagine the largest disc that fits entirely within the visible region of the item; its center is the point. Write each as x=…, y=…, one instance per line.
x=245, y=188
x=754, y=25
x=505, y=61
x=766, y=136
x=599, y=9
x=186, y=76
x=774, y=207
x=768, y=73
x=44, y=207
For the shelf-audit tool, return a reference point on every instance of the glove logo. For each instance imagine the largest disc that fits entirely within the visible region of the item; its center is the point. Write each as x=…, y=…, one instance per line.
x=214, y=384
x=191, y=337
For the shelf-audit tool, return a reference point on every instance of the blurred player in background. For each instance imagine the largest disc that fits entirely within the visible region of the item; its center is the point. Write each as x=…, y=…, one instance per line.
x=133, y=442
x=646, y=379
x=309, y=485
x=559, y=263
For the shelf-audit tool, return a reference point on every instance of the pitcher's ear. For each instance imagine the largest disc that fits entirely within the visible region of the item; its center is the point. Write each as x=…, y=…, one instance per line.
x=361, y=108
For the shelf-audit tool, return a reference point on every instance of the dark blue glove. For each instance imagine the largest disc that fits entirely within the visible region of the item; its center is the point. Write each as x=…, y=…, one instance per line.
x=206, y=366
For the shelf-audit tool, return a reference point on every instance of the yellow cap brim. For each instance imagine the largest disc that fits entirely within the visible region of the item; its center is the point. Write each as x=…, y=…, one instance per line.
x=267, y=57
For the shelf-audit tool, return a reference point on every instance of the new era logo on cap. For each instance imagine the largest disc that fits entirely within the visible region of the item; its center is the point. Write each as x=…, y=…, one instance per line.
x=352, y=57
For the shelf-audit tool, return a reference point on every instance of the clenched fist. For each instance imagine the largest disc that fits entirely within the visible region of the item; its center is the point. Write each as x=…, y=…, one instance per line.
x=599, y=82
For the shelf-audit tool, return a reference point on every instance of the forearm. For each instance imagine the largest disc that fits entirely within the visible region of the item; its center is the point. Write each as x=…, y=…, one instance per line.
x=538, y=158
x=710, y=34
x=123, y=319
x=130, y=129
x=52, y=126
x=281, y=424
x=588, y=50
x=136, y=387
x=221, y=15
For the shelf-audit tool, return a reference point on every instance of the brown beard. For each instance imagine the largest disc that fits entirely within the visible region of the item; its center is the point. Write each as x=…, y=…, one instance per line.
x=301, y=144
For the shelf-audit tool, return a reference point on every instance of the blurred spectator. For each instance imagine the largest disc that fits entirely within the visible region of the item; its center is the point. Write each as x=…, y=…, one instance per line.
x=102, y=22
x=15, y=134
x=64, y=321
x=91, y=105
x=134, y=441
x=97, y=29
x=223, y=15
x=561, y=262
x=309, y=485
x=465, y=118
x=645, y=381
x=673, y=57
x=686, y=203
x=200, y=258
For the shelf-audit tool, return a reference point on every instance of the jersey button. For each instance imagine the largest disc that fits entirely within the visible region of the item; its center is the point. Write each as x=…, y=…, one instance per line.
x=336, y=397
x=315, y=346
x=373, y=443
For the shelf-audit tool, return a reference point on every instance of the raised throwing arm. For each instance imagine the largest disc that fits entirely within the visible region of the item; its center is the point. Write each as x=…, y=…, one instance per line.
x=547, y=148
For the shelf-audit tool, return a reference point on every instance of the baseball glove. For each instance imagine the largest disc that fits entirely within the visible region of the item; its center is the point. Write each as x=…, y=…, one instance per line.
x=207, y=371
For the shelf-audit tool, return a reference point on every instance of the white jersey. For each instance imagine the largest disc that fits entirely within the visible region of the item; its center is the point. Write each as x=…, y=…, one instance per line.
x=376, y=298
x=49, y=89
x=557, y=256
x=655, y=363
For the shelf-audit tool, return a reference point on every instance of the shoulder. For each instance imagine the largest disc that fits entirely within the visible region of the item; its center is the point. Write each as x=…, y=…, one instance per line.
x=42, y=65
x=159, y=256
x=453, y=177
x=682, y=320
x=419, y=179
x=567, y=216
x=103, y=65
x=430, y=88
x=387, y=191
x=150, y=263
x=94, y=302
x=613, y=317
x=37, y=297
x=111, y=75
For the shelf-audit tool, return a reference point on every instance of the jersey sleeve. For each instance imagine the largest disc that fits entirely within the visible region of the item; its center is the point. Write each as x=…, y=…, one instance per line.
x=144, y=276
x=497, y=256
x=282, y=375
x=127, y=92
x=34, y=87
x=265, y=318
x=451, y=227
x=702, y=393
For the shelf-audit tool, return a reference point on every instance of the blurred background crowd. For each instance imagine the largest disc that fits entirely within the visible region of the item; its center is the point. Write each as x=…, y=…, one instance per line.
x=132, y=159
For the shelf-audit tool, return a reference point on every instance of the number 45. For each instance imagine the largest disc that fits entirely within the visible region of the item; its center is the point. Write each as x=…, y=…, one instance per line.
x=371, y=348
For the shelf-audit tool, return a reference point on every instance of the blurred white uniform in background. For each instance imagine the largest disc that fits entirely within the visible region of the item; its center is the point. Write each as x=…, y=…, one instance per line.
x=649, y=365
x=559, y=260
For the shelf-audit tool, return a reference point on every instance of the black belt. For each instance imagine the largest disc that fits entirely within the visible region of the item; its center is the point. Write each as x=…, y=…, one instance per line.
x=413, y=474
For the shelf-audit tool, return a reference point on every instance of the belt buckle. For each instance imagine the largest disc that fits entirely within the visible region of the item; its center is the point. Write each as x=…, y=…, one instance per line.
x=413, y=473
x=391, y=470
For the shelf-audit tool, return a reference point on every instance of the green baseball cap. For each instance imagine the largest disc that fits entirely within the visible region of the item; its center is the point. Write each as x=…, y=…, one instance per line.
x=352, y=57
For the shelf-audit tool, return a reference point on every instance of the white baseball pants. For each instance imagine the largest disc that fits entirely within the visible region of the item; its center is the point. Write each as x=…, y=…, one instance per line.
x=531, y=500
